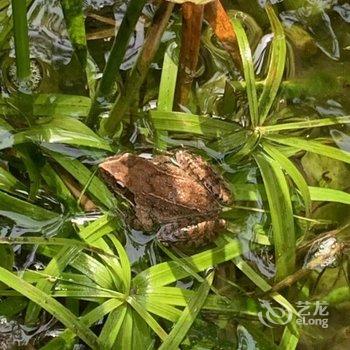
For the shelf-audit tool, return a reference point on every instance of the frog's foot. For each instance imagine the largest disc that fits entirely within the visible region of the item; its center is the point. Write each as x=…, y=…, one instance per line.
x=201, y=169
x=194, y=235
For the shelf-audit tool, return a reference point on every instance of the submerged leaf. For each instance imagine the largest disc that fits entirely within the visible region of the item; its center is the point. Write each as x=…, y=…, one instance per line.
x=281, y=214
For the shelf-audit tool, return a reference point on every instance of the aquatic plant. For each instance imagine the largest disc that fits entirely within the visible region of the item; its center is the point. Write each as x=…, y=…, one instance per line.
x=51, y=143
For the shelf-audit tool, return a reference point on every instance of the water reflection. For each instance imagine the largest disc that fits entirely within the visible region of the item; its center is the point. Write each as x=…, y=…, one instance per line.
x=48, y=34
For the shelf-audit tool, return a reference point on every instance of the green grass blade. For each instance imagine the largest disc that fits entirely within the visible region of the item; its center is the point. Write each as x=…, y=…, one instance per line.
x=54, y=268
x=61, y=130
x=188, y=316
x=23, y=211
x=190, y=123
x=312, y=146
x=262, y=284
x=308, y=124
x=168, y=272
x=31, y=160
x=249, y=146
x=112, y=326
x=66, y=339
x=323, y=194
x=159, y=308
x=9, y=183
x=52, y=306
x=293, y=172
x=167, y=86
x=290, y=337
x=147, y=317
x=84, y=176
x=125, y=339
x=58, y=187
x=248, y=69
x=168, y=79
x=276, y=67
x=124, y=261
x=281, y=215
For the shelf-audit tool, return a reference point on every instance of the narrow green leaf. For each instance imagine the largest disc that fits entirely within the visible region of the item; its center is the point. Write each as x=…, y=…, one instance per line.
x=323, y=194
x=190, y=123
x=167, y=86
x=54, y=268
x=84, y=176
x=312, y=146
x=9, y=183
x=66, y=339
x=168, y=272
x=49, y=105
x=293, y=172
x=125, y=339
x=248, y=69
x=112, y=326
x=249, y=146
x=188, y=316
x=290, y=337
x=58, y=187
x=159, y=308
x=262, y=284
x=60, y=130
x=305, y=124
x=276, y=66
x=124, y=261
x=52, y=306
x=148, y=318
x=281, y=214
x=23, y=211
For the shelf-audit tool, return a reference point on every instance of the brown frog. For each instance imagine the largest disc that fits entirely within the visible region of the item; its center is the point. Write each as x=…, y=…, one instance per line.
x=181, y=194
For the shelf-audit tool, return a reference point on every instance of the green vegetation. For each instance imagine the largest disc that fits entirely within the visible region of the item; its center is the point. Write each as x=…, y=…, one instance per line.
x=90, y=282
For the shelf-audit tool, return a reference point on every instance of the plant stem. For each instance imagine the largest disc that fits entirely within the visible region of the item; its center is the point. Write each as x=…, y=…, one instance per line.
x=20, y=29
x=116, y=56
x=192, y=19
x=222, y=27
x=140, y=69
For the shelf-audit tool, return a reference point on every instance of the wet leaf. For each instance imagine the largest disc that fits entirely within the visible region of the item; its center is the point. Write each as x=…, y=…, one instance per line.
x=281, y=214
x=188, y=316
x=51, y=305
x=276, y=67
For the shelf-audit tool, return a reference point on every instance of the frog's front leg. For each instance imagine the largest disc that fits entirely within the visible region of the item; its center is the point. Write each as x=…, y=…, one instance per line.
x=202, y=233
x=205, y=174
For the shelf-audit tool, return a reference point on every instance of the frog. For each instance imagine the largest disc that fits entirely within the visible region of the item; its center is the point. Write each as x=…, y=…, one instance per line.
x=180, y=195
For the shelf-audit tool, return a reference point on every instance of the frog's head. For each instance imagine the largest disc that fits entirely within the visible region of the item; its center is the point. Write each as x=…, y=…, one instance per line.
x=116, y=169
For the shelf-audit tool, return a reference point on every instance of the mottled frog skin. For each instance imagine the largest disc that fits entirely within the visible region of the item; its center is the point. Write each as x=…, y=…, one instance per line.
x=181, y=194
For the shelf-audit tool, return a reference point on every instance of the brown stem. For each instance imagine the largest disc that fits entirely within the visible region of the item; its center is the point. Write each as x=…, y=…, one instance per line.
x=192, y=18
x=220, y=22
x=140, y=69
x=102, y=19
x=85, y=202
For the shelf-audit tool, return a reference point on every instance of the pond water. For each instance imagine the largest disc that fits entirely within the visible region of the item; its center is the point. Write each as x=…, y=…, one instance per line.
x=50, y=185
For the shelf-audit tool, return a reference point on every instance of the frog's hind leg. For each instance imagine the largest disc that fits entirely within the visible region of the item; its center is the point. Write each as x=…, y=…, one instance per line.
x=190, y=236
x=204, y=173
